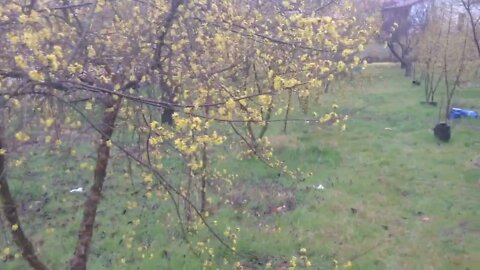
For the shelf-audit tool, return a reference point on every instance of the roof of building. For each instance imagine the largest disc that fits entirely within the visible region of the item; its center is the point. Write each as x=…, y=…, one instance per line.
x=393, y=4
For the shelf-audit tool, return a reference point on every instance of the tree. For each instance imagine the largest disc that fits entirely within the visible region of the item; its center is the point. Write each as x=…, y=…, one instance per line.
x=443, y=50
x=472, y=8
x=454, y=62
x=213, y=70
x=11, y=214
x=429, y=59
x=403, y=22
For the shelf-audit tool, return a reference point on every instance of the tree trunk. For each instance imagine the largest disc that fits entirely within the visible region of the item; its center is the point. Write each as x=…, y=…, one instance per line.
x=327, y=87
x=167, y=116
x=187, y=206
x=80, y=258
x=408, y=69
x=285, y=121
x=427, y=85
x=473, y=23
x=405, y=63
x=267, y=121
x=10, y=212
x=203, y=191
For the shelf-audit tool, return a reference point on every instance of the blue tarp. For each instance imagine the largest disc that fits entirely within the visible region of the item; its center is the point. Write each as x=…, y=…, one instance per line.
x=457, y=113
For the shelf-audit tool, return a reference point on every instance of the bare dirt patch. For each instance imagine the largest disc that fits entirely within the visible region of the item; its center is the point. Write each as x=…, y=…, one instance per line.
x=261, y=199
x=475, y=162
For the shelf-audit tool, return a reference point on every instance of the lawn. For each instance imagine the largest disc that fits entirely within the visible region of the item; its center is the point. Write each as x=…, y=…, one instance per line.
x=384, y=194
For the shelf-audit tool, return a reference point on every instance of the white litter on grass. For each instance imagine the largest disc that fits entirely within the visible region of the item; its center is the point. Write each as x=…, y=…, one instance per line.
x=387, y=128
x=77, y=190
x=319, y=187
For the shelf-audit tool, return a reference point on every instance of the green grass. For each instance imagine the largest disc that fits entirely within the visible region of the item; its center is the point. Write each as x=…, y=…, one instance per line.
x=394, y=197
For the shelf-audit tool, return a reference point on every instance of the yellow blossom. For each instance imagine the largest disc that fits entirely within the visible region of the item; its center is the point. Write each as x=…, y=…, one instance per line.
x=35, y=75
x=20, y=62
x=148, y=179
x=270, y=74
x=91, y=51
x=75, y=68
x=356, y=60
x=52, y=59
x=14, y=227
x=277, y=83
x=291, y=83
x=347, y=52
x=22, y=136
x=13, y=39
x=230, y=104
x=265, y=99
x=364, y=63
x=57, y=50
x=49, y=122
x=324, y=70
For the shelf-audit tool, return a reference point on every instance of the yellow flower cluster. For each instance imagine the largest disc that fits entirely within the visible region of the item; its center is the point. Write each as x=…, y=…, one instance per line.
x=22, y=136
x=264, y=100
x=75, y=68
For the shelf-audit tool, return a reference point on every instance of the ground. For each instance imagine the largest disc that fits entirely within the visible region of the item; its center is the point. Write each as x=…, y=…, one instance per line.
x=391, y=195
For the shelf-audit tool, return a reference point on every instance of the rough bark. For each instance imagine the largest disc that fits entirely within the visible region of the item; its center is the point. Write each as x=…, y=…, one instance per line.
x=167, y=116
x=168, y=91
x=408, y=69
x=175, y=4
x=402, y=57
x=10, y=212
x=80, y=258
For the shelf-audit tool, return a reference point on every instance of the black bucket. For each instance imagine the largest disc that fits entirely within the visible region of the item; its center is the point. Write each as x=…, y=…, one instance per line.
x=442, y=132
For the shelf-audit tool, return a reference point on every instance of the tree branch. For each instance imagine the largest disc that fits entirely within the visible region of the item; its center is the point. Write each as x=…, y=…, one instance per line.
x=10, y=212
x=468, y=8
x=79, y=261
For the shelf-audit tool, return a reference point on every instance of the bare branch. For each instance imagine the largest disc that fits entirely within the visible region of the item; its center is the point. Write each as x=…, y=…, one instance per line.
x=10, y=212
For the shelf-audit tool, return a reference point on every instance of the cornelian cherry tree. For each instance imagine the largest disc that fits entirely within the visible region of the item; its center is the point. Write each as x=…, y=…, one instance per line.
x=183, y=76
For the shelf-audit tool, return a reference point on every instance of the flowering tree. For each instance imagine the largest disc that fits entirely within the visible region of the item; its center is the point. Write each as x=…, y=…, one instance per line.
x=183, y=76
